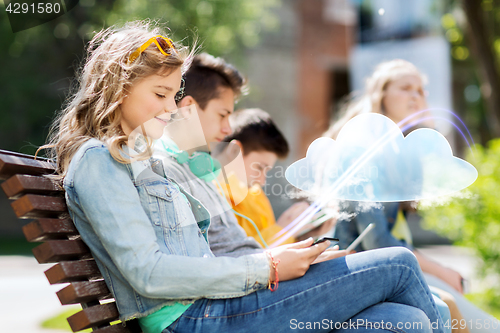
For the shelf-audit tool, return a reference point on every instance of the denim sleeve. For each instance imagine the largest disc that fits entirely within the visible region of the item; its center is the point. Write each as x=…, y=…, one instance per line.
x=105, y=194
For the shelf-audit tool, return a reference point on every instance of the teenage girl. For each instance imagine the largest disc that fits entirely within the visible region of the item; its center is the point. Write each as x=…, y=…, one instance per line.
x=396, y=90
x=141, y=226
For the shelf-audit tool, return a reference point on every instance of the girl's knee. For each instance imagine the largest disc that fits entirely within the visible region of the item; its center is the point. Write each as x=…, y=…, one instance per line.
x=394, y=255
x=403, y=255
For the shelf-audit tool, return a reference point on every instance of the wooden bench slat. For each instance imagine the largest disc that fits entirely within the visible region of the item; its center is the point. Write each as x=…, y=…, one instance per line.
x=45, y=229
x=116, y=328
x=82, y=292
x=69, y=271
x=132, y=326
x=93, y=316
x=11, y=164
x=38, y=197
x=36, y=206
x=61, y=250
x=17, y=185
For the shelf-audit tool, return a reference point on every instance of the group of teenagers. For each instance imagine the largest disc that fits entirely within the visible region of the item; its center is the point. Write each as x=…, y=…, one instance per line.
x=182, y=252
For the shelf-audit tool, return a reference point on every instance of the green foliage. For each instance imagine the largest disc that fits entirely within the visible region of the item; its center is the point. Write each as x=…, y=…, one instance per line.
x=38, y=64
x=488, y=300
x=469, y=91
x=59, y=322
x=224, y=27
x=16, y=246
x=474, y=219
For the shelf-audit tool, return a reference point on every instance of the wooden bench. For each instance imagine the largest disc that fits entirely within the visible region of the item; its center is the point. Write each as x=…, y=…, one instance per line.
x=37, y=197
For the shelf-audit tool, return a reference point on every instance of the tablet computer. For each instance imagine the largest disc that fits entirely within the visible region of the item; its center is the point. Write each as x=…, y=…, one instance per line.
x=360, y=237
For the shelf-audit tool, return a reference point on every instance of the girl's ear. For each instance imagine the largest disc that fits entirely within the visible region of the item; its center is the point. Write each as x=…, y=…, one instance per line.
x=186, y=101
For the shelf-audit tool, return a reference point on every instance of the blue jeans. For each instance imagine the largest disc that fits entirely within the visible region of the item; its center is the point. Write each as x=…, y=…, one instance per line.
x=379, y=290
x=476, y=320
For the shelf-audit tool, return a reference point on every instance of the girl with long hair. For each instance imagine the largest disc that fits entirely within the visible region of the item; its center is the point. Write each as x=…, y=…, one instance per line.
x=148, y=235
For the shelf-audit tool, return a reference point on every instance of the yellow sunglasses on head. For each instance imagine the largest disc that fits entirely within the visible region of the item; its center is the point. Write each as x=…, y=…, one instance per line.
x=164, y=45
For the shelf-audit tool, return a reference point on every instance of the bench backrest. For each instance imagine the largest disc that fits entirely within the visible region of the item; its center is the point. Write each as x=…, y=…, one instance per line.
x=37, y=197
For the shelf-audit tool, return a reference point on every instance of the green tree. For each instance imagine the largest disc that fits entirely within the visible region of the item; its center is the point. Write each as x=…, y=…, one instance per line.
x=472, y=27
x=224, y=27
x=38, y=64
x=474, y=219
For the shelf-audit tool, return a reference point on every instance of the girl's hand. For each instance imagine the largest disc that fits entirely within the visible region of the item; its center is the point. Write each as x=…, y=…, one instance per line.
x=332, y=253
x=295, y=259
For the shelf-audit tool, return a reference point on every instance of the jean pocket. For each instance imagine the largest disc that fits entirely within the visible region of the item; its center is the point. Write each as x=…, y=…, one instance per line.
x=171, y=327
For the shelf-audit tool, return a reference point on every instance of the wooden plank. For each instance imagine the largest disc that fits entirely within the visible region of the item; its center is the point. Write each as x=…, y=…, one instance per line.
x=61, y=250
x=17, y=185
x=14, y=163
x=68, y=271
x=23, y=178
x=93, y=316
x=132, y=326
x=36, y=206
x=84, y=291
x=44, y=229
x=15, y=153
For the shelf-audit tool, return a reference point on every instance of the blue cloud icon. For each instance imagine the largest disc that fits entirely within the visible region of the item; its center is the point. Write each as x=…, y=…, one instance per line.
x=371, y=160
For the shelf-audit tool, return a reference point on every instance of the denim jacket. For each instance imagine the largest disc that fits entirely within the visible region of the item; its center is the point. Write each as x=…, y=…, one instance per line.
x=145, y=238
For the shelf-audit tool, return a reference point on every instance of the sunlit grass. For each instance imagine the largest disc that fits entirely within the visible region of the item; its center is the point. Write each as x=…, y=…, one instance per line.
x=59, y=322
x=487, y=301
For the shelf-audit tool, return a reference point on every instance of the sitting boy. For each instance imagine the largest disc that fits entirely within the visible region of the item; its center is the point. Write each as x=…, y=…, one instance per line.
x=213, y=86
x=261, y=144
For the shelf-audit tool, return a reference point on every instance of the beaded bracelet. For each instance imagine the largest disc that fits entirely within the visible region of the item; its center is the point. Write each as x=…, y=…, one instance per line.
x=273, y=286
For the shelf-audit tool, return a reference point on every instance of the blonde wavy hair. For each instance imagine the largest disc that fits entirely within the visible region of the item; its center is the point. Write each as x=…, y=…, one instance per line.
x=375, y=87
x=93, y=110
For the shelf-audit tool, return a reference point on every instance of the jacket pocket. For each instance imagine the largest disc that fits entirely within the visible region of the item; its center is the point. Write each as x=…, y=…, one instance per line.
x=162, y=202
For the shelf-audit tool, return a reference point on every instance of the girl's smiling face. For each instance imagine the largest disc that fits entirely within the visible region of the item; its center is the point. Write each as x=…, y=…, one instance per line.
x=150, y=102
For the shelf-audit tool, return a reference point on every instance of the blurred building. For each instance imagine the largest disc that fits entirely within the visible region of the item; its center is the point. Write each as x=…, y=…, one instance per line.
x=324, y=50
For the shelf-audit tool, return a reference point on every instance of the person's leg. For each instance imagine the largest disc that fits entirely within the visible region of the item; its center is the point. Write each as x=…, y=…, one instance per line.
x=456, y=316
x=331, y=292
x=477, y=320
x=390, y=317
x=444, y=311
